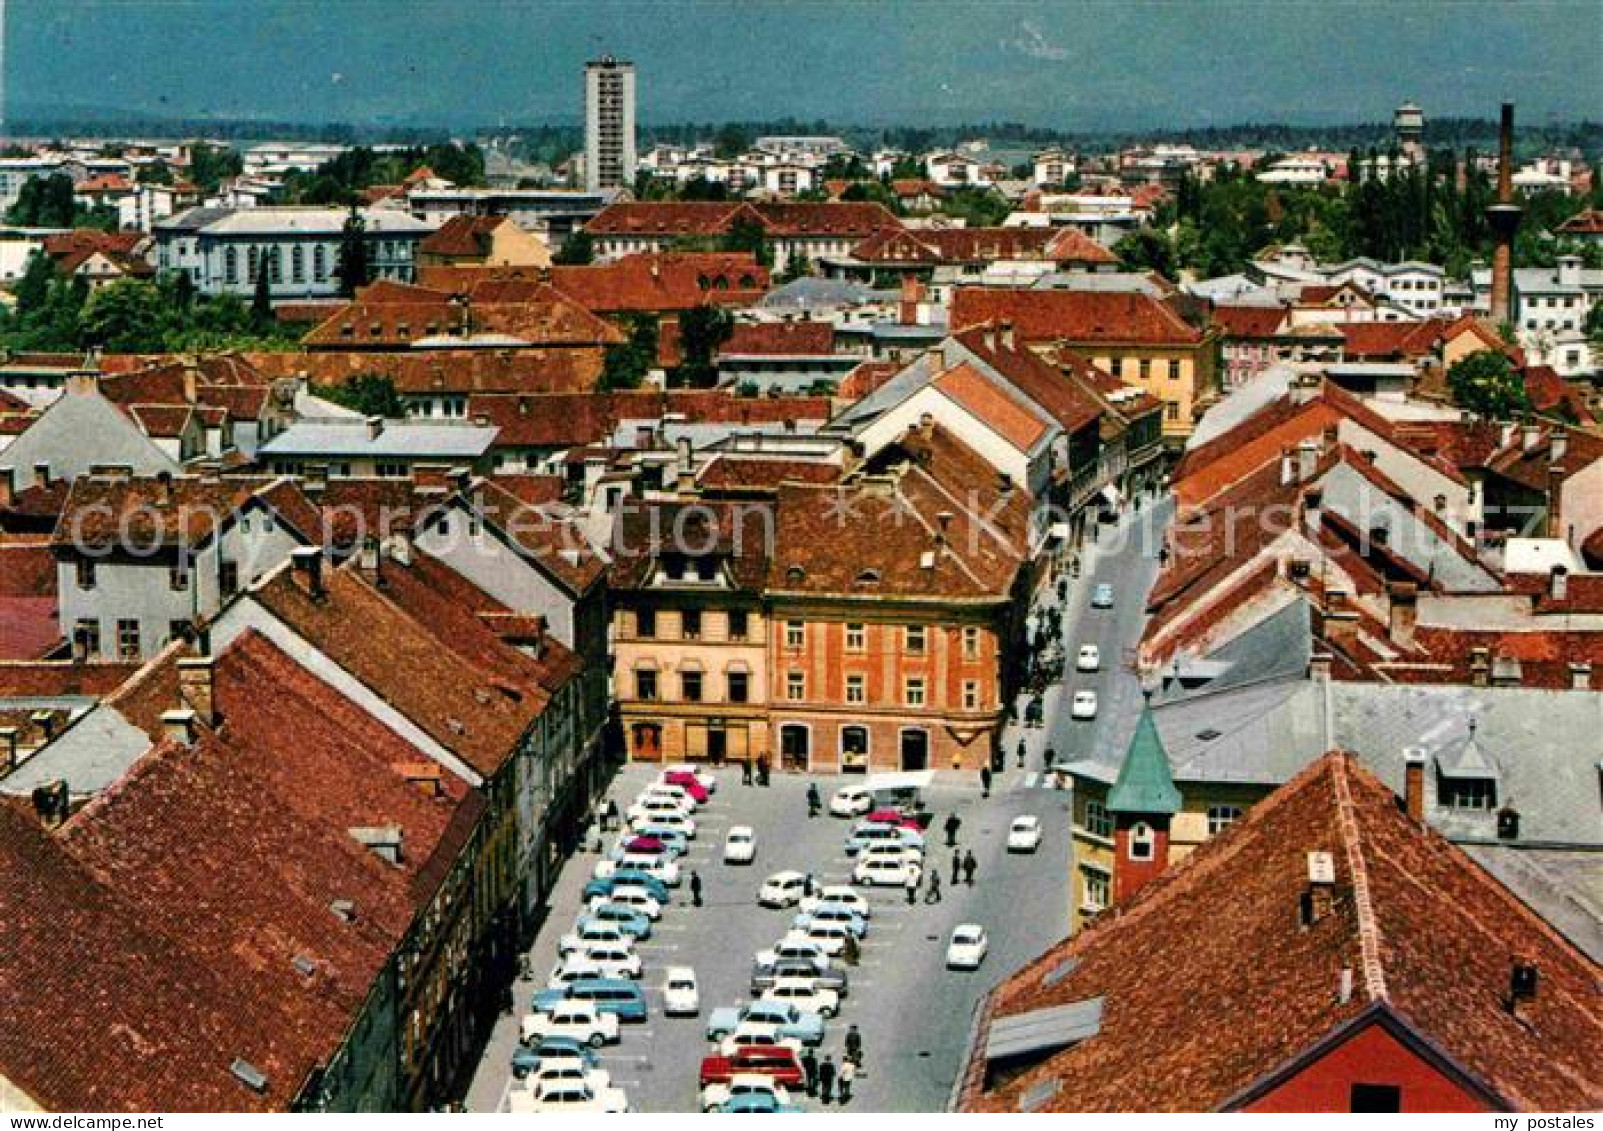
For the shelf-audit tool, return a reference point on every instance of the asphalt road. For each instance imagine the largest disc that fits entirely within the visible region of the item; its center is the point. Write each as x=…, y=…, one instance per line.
x=914, y=1014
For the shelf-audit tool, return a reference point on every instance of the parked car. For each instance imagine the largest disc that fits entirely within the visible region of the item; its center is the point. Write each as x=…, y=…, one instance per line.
x=552, y=1050
x=892, y=852
x=1084, y=705
x=601, y=961
x=885, y=872
x=898, y=817
x=794, y=946
x=580, y=1020
x=805, y=994
x=740, y=847
x=1089, y=658
x=703, y=778
x=782, y=889
x=567, y=1096
x=617, y=996
x=672, y=841
x=831, y=937
x=585, y=935
x=633, y=923
x=681, y=996
x=1102, y=597
x=665, y=819
x=851, y=801
x=1024, y=834
x=571, y=1070
x=718, y=1073
x=751, y=1094
x=621, y=879
x=690, y=783
x=658, y=806
x=832, y=913
x=968, y=947
x=757, y=1035
x=790, y=1020
x=639, y=899
x=677, y=793
x=866, y=834
x=662, y=868
x=826, y=974
x=842, y=894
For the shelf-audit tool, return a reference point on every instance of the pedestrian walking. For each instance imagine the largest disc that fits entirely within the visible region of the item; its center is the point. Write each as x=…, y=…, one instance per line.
x=985, y=781
x=695, y=889
x=953, y=823
x=957, y=865
x=1022, y=752
x=826, y=1079
x=932, y=894
x=848, y=1073
x=809, y=1063
x=814, y=802
x=745, y=771
x=970, y=865
x=851, y=950
x=611, y=816
x=854, y=1045
x=910, y=885
x=807, y=885
x=762, y=771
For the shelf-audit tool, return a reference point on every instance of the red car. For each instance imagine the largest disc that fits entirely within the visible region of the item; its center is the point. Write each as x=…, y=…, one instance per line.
x=778, y=1063
x=689, y=783
x=646, y=844
x=894, y=817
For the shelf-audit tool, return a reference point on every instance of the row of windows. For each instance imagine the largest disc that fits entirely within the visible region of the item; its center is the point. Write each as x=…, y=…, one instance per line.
x=1142, y=368
x=737, y=688
x=915, y=637
x=1099, y=822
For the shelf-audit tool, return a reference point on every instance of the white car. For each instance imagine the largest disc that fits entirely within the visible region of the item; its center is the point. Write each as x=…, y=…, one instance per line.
x=570, y=1070
x=806, y=995
x=658, y=867
x=1089, y=659
x=782, y=889
x=1024, y=834
x=568, y=1095
x=884, y=871
x=757, y=1034
x=1084, y=705
x=580, y=1020
x=600, y=960
x=715, y=1096
x=672, y=792
x=639, y=899
x=656, y=806
x=740, y=847
x=830, y=937
x=707, y=781
x=794, y=945
x=681, y=997
x=968, y=946
x=605, y=934
x=851, y=801
x=841, y=894
x=893, y=852
x=678, y=822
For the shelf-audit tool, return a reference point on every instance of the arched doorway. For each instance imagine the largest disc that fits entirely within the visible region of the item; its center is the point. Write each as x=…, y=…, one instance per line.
x=854, y=749
x=795, y=746
x=915, y=749
x=647, y=742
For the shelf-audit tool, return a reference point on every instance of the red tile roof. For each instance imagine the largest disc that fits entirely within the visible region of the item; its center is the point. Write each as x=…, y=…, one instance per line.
x=1249, y=321
x=780, y=339
x=1211, y=987
x=731, y=474
x=28, y=621
x=462, y=237
x=981, y=245
x=1072, y=316
x=660, y=283
x=701, y=218
x=537, y=315
x=999, y=409
x=1391, y=340
x=1587, y=223
x=1062, y=396
x=434, y=372
x=145, y=512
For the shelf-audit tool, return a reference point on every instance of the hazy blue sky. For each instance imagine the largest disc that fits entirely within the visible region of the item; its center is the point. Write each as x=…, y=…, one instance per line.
x=1069, y=64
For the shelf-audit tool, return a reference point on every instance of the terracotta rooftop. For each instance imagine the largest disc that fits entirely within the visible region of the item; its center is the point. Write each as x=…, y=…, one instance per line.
x=780, y=339
x=1000, y=409
x=462, y=237
x=657, y=283
x=1249, y=321
x=682, y=219
x=1072, y=316
x=538, y=315
x=1212, y=991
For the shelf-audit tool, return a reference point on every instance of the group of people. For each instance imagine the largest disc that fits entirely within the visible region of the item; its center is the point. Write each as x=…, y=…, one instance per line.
x=758, y=770
x=829, y=1082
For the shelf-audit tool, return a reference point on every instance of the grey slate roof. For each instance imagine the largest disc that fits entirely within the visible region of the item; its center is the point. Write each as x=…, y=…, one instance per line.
x=1348, y=493
x=1038, y=1030
x=79, y=431
x=91, y=754
x=398, y=440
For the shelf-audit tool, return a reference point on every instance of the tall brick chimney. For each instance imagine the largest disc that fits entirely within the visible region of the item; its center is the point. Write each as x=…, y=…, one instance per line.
x=1504, y=219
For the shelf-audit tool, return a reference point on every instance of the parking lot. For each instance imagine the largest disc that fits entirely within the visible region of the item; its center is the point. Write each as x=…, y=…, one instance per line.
x=914, y=1015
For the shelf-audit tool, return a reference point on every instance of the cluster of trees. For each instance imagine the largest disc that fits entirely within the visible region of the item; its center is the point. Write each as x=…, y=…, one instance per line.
x=1215, y=228
x=340, y=179
x=370, y=394
x=48, y=202
x=130, y=316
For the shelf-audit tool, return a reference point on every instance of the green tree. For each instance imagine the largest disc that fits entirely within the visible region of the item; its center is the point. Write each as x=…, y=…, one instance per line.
x=627, y=363
x=702, y=330
x=156, y=173
x=1486, y=384
x=210, y=165
x=352, y=267
x=748, y=235
x=578, y=250
x=731, y=140
x=127, y=316
x=370, y=394
x=1147, y=249
x=33, y=289
x=44, y=202
x=797, y=267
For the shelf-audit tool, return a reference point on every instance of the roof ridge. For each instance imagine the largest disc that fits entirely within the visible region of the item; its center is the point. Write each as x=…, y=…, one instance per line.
x=1373, y=968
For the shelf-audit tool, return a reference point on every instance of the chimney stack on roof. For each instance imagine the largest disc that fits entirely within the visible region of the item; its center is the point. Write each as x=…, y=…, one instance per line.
x=1504, y=219
x=375, y=427
x=1558, y=583
x=179, y=726
x=8, y=748
x=307, y=564
x=1414, y=783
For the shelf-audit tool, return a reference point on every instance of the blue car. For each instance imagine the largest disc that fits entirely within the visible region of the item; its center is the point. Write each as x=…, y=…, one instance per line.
x=609, y=995
x=676, y=841
x=808, y=1028
x=869, y=833
x=528, y=1058
x=627, y=878
x=832, y=913
x=756, y=1103
x=633, y=923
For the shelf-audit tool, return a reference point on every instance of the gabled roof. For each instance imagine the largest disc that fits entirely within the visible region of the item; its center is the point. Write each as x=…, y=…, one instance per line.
x=657, y=283
x=997, y=408
x=145, y=512
x=1072, y=316
x=463, y=236
x=1249, y=321
x=1144, y=784
x=537, y=315
x=1231, y=992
